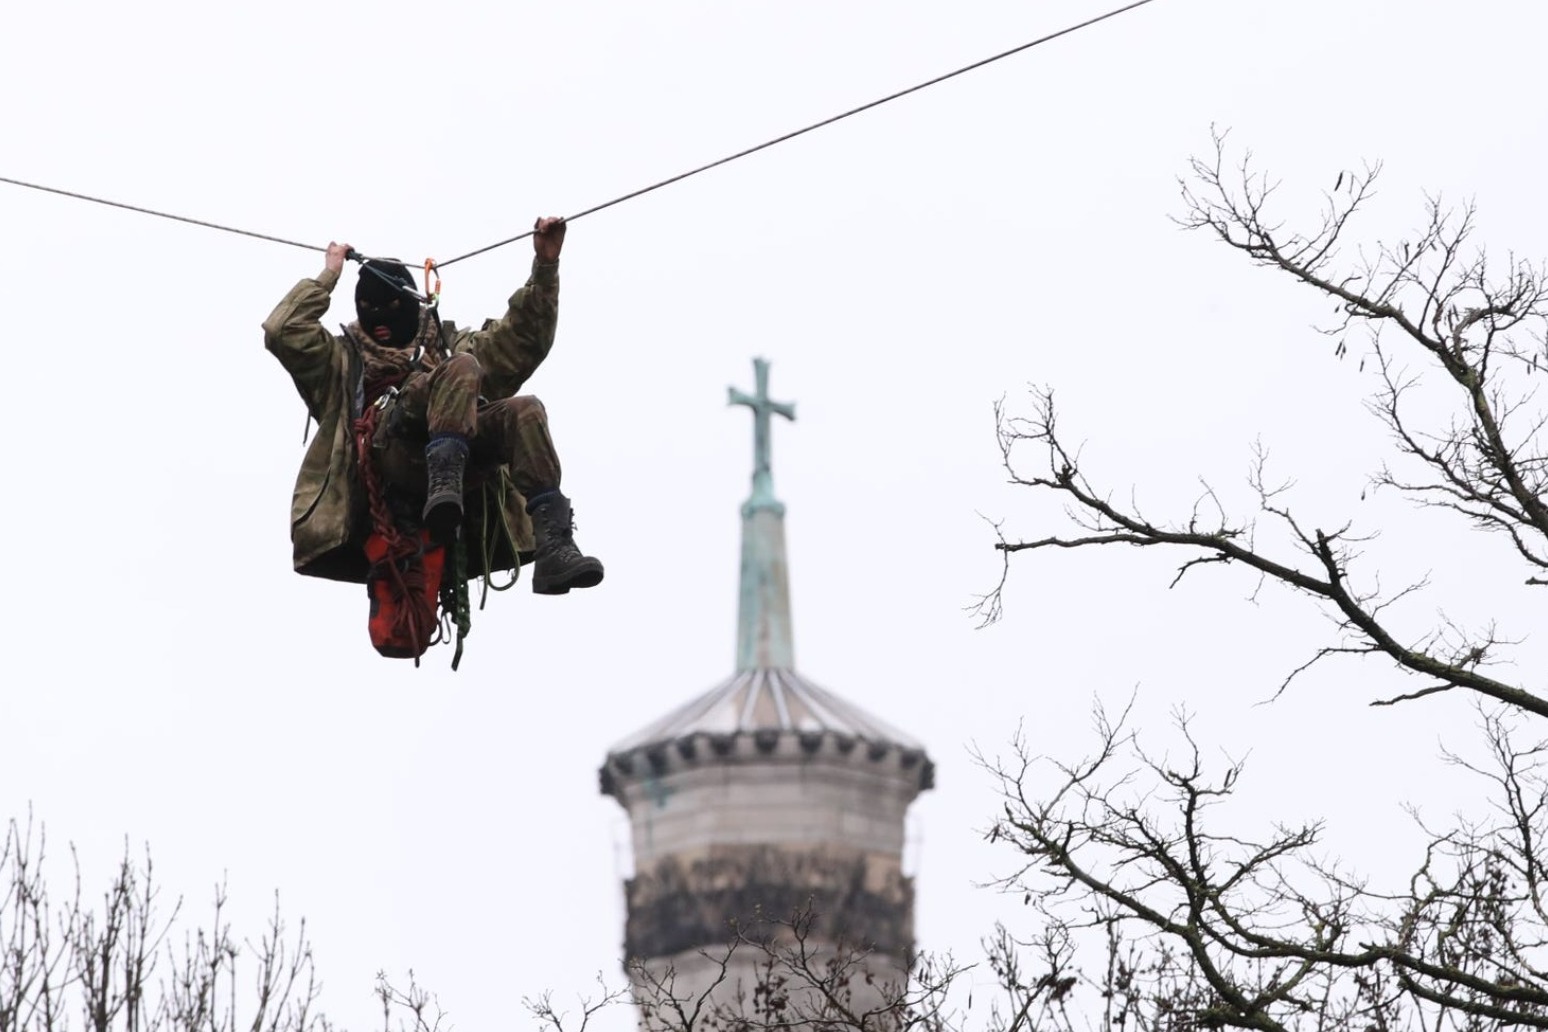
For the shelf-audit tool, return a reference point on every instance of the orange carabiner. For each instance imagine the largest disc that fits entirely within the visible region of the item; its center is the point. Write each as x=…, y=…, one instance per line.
x=431, y=270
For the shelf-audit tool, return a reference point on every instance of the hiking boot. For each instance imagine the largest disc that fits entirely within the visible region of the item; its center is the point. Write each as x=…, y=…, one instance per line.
x=445, y=457
x=558, y=565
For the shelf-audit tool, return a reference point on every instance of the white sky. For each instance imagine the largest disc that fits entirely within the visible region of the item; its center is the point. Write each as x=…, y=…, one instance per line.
x=170, y=680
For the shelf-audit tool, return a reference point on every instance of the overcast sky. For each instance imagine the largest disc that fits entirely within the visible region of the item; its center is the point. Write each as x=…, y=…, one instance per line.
x=170, y=681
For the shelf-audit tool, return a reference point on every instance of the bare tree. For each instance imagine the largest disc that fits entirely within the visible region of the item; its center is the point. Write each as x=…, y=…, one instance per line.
x=1433, y=300
x=551, y=1018
x=1034, y=985
x=124, y=964
x=804, y=983
x=1264, y=933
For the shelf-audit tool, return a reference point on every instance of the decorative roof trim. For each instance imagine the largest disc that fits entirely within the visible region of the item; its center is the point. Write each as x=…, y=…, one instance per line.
x=768, y=745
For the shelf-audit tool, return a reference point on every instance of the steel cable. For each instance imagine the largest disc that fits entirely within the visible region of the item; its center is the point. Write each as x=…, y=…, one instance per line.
x=815, y=125
x=633, y=193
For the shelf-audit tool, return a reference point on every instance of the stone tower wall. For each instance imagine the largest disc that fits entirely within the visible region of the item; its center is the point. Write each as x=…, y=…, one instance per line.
x=752, y=834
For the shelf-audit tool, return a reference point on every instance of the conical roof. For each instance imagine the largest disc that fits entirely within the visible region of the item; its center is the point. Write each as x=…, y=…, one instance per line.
x=763, y=700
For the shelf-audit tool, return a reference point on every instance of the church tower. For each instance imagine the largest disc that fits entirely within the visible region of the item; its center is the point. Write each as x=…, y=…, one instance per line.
x=765, y=797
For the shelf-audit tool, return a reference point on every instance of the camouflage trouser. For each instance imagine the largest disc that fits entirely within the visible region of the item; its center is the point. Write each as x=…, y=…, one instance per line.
x=512, y=431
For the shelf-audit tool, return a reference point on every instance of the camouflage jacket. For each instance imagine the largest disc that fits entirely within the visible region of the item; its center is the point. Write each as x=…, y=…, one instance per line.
x=328, y=518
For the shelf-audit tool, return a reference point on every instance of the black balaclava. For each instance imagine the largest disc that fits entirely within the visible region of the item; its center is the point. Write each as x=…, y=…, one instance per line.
x=380, y=303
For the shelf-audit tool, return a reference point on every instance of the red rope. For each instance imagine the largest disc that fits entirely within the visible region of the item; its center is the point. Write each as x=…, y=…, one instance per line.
x=414, y=618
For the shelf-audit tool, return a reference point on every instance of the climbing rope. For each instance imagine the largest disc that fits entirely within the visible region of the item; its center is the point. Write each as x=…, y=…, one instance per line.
x=490, y=542
x=448, y=618
x=454, y=596
x=414, y=617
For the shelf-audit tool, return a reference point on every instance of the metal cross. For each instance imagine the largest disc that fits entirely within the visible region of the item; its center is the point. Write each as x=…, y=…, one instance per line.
x=764, y=409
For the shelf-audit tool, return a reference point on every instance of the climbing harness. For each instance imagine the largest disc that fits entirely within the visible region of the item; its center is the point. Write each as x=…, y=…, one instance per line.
x=418, y=589
x=404, y=578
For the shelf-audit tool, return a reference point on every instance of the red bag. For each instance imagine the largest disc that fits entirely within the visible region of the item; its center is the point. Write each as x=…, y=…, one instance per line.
x=404, y=591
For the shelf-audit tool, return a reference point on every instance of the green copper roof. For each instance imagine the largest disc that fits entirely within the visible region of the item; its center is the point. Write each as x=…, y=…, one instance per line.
x=763, y=634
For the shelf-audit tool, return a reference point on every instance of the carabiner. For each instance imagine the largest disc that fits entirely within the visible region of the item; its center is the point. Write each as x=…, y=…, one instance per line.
x=433, y=296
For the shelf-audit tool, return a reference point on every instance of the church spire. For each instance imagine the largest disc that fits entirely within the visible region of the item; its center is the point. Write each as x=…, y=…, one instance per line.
x=763, y=635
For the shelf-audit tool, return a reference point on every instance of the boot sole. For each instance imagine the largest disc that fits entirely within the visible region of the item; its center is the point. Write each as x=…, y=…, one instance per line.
x=584, y=579
x=443, y=519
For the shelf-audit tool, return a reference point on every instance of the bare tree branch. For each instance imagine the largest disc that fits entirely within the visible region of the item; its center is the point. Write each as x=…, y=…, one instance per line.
x=1488, y=465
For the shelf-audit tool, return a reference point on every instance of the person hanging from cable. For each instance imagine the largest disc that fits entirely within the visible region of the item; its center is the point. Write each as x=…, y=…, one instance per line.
x=421, y=418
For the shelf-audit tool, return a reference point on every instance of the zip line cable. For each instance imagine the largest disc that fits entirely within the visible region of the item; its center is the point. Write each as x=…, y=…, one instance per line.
x=816, y=125
x=633, y=194
x=159, y=214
